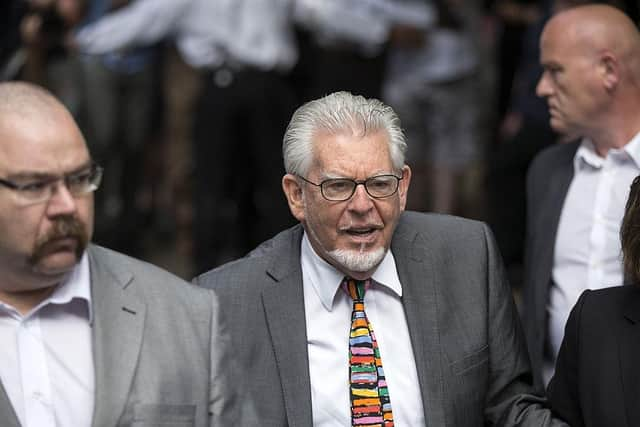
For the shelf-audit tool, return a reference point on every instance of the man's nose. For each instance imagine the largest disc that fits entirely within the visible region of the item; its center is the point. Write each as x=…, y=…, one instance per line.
x=62, y=202
x=543, y=88
x=361, y=200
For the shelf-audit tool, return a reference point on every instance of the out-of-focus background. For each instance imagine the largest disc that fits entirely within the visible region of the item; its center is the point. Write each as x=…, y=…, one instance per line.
x=184, y=103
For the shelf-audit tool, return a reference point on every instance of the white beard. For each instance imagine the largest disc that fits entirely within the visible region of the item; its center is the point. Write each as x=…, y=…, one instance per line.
x=359, y=261
x=351, y=260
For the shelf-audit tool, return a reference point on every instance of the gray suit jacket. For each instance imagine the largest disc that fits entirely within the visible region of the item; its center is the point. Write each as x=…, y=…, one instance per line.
x=548, y=182
x=152, y=342
x=466, y=337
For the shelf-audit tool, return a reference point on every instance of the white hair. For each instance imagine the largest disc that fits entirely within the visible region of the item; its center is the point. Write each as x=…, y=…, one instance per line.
x=339, y=113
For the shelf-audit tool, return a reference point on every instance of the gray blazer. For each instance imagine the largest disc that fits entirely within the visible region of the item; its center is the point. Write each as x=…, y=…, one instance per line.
x=152, y=342
x=548, y=182
x=467, y=341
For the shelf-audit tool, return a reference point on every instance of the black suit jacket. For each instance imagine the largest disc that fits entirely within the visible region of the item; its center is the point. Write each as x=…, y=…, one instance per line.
x=548, y=181
x=597, y=379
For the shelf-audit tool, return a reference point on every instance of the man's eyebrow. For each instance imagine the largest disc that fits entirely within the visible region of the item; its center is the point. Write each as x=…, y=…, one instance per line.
x=35, y=175
x=550, y=64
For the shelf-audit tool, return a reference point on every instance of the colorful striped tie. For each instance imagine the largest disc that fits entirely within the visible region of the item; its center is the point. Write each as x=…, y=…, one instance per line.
x=370, y=402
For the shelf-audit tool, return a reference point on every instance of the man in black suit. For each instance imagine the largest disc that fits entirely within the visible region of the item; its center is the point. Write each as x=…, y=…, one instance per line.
x=576, y=192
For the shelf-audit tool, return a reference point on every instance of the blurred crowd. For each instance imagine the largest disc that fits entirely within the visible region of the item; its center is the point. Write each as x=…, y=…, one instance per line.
x=183, y=101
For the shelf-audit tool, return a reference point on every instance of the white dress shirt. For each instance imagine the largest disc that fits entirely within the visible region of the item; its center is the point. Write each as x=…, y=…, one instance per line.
x=365, y=23
x=587, y=252
x=258, y=33
x=328, y=318
x=46, y=359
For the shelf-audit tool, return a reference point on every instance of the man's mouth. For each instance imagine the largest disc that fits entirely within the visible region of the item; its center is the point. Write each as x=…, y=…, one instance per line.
x=360, y=231
x=61, y=243
x=365, y=234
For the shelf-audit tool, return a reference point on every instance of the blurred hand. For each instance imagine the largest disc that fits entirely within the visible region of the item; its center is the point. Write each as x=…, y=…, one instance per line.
x=407, y=36
x=30, y=29
x=71, y=11
x=510, y=125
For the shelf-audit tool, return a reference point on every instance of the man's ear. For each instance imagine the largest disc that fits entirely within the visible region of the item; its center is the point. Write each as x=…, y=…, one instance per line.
x=609, y=69
x=293, y=191
x=403, y=186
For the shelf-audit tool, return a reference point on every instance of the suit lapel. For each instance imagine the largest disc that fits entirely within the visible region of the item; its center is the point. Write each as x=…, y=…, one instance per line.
x=7, y=413
x=546, y=229
x=283, y=302
x=117, y=336
x=550, y=214
x=629, y=350
x=414, y=263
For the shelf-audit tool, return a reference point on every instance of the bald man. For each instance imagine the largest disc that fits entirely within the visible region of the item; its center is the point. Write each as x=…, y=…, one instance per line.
x=89, y=336
x=576, y=192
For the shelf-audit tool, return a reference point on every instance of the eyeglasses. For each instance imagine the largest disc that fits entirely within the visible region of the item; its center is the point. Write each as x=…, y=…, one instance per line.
x=40, y=190
x=341, y=189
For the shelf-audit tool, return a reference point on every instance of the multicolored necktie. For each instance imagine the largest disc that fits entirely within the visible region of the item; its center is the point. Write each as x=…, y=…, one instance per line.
x=370, y=402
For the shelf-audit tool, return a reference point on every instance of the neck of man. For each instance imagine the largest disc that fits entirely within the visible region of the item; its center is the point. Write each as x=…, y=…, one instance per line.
x=25, y=290
x=26, y=300
x=616, y=139
x=617, y=132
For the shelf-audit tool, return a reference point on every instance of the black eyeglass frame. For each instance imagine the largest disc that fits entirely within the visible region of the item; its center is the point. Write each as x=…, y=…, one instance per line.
x=356, y=183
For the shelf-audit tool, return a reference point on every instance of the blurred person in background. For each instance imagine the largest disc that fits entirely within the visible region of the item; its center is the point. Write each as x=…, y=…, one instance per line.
x=435, y=81
x=192, y=45
x=45, y=29
x=120, y=94
x=242, y=51
x=12, y=53
x=523, y=131
x=514, y=19
x=344, y=44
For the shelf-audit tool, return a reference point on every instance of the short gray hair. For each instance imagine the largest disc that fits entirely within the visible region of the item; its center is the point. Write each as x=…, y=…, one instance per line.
x=338, y=113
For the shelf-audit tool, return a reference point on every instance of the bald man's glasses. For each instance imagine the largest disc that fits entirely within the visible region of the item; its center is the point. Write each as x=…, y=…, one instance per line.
x=341, y=189
x=33, y=191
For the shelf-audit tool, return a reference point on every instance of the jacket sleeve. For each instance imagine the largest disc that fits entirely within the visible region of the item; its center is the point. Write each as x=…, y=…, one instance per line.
x=511, y=400
x=563, y=388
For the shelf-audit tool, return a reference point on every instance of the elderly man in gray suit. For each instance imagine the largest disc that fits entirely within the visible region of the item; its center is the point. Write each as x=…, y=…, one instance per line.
x=303, y=307
x=88, y=336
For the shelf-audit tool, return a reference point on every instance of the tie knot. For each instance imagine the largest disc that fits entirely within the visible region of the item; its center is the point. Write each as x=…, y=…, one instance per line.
x=355, y=288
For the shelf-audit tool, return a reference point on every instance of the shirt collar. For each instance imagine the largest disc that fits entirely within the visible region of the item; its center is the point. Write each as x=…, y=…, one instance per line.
x=633, y=149
x=587, y=155
x=77, y=284
x=325, y=278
